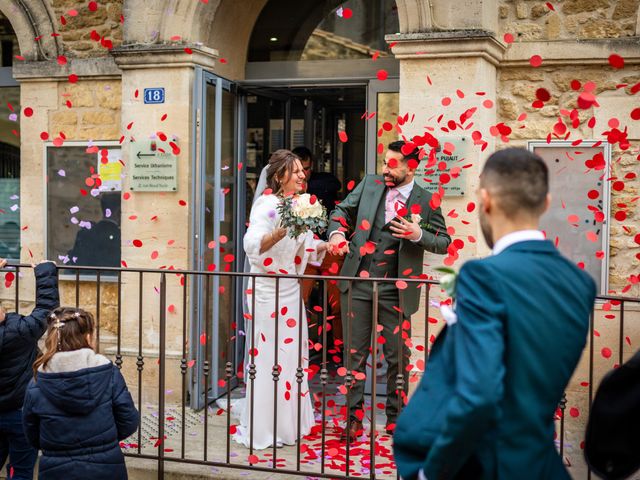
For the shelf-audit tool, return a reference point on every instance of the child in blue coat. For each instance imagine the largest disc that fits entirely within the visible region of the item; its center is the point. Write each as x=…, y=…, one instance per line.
x=19, y=335
x=77, y=407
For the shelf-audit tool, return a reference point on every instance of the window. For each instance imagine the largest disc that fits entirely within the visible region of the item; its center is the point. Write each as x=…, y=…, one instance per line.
x=83, y=203
x=9, y=173
x=323, y=30
x=578, y=220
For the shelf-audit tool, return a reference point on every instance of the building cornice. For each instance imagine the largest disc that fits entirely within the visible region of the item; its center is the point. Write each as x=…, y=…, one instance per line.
x=48, y=70
x=164, y=56
x=447, y=44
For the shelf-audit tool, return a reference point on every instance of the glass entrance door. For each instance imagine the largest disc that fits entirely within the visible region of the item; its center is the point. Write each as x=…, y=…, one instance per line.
x=217, y=174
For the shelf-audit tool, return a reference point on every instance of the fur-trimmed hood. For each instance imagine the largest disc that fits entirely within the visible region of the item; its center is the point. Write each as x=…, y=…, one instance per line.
x=75, y=381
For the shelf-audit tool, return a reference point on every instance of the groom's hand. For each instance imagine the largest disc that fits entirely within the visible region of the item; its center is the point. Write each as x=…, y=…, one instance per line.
x=338, y=244
x=403, y=228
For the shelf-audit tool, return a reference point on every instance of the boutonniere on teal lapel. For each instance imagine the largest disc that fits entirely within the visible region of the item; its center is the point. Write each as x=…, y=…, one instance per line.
x=448, y=280
x=448, y=284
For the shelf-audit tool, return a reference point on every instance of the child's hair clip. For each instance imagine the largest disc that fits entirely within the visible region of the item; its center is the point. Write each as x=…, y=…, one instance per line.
x=77, y=314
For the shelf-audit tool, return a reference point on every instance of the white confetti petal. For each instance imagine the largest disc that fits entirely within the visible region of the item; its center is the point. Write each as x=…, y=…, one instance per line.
x=75, y=209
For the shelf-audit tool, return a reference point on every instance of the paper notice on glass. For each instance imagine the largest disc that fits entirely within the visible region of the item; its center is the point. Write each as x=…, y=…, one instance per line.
x=110, y=170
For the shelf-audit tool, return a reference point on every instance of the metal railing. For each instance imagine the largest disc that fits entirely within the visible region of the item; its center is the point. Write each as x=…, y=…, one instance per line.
x=173, y=432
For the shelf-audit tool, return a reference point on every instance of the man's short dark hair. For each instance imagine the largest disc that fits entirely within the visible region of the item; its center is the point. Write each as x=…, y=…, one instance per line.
x=303, y=153
x=397, y=147
x=519, y=179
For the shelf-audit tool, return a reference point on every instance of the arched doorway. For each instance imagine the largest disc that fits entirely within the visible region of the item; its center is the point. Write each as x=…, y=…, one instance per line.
x=314, y=70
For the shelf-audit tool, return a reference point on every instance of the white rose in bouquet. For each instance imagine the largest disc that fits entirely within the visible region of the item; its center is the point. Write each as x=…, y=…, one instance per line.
x=301, y=213
x=304, y=208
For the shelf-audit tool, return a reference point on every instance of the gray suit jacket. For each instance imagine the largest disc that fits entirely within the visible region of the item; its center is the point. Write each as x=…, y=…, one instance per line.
x=362, y=203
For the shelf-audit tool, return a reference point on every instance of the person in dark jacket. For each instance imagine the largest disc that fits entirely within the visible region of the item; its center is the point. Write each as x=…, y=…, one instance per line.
x=77, y=407
x=19, y=337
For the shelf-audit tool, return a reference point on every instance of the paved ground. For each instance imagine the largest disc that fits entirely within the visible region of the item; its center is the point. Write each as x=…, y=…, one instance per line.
x=315, y=455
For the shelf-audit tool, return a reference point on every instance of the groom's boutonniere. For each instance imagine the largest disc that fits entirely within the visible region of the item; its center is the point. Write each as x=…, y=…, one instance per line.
x=415, y=217
x=448, y=280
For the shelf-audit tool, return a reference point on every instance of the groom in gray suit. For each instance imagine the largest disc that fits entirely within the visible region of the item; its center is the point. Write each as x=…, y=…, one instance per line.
x=390, y=246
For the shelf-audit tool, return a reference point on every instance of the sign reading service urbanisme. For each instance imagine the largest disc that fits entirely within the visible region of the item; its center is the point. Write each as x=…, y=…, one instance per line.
x=152, y=167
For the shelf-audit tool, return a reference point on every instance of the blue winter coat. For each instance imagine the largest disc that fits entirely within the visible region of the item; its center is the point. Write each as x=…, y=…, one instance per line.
x=19, y=337
x=77, y=419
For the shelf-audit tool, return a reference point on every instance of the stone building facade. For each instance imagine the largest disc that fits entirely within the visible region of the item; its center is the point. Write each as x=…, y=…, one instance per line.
x=82, y=68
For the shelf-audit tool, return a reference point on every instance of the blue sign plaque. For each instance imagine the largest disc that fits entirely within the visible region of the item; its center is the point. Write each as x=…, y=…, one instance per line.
x=154, y=95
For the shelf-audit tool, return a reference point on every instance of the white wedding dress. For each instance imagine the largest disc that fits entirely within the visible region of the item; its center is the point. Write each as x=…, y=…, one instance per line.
x=287, y=256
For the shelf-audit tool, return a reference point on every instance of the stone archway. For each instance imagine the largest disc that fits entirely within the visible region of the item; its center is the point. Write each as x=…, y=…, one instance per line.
x=31, y=20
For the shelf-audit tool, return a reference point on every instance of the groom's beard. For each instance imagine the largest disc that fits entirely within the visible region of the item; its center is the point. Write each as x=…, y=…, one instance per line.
x=487, y=231
x=392, y=182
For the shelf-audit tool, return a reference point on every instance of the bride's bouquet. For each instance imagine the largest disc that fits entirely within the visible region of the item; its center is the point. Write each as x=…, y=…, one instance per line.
x=300, y=213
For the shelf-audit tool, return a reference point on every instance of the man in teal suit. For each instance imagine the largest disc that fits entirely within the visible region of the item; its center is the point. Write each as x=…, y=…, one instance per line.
x=374, y=225
x=485, y=407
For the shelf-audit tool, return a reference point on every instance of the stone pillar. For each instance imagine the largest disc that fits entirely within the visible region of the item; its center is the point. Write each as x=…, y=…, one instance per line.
x=162, y=222
x=446, y=74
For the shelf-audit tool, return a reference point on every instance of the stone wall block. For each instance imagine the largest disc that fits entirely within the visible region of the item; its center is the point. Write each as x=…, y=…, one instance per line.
x=98, y=117
x=68, y=117
x=529, y=31
x=578, y=6
x=507, y=108
x=108, y=132
x=539, y=10
x=521, y=74
x=80, y=95
x=626, y=9
x=554, y=29
x=599, y=28
x=522, y=11
x=108, y=99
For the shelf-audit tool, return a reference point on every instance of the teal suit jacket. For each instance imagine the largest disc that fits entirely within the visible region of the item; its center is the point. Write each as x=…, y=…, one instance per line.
x=494, y=379
x=362, y=204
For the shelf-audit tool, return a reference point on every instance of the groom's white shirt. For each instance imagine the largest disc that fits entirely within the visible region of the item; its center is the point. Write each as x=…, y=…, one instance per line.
x=502, y=244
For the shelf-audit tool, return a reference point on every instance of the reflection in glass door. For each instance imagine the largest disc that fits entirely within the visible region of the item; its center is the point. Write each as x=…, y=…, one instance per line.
x=215, y=244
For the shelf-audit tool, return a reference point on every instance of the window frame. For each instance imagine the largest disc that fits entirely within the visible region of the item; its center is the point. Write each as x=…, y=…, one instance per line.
x=606, y=196
x=65, y=274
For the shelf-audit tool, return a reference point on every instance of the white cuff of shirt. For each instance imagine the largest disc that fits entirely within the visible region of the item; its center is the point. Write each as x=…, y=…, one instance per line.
x=419, y=238
x=336, y=232
x=421, y=475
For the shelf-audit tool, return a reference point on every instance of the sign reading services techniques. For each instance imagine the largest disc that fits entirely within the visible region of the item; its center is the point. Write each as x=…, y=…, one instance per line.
x=152, y=167
x=448, y=170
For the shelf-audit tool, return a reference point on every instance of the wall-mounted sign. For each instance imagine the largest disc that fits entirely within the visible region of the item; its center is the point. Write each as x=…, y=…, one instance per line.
x=152, y=168
x=110, y=169
x=154, y=95
x=448, y=170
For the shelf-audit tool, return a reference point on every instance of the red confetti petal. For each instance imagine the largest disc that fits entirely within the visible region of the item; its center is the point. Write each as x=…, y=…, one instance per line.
x=508, y=38
x=28, y=112
x=535, y=61
x=635, y=114
x=62, y=60
x=574, y=412
x=93, y=6
x=137, y=243
x=606, y=352
x=382, y=75
x=347, y=13
x=616, y=61
x=343, y=136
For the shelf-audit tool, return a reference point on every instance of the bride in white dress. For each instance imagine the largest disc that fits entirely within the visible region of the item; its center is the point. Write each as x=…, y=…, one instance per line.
x=270, y=250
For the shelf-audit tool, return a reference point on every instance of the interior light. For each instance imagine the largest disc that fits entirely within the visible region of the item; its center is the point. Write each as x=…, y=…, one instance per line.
x=274, y=39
